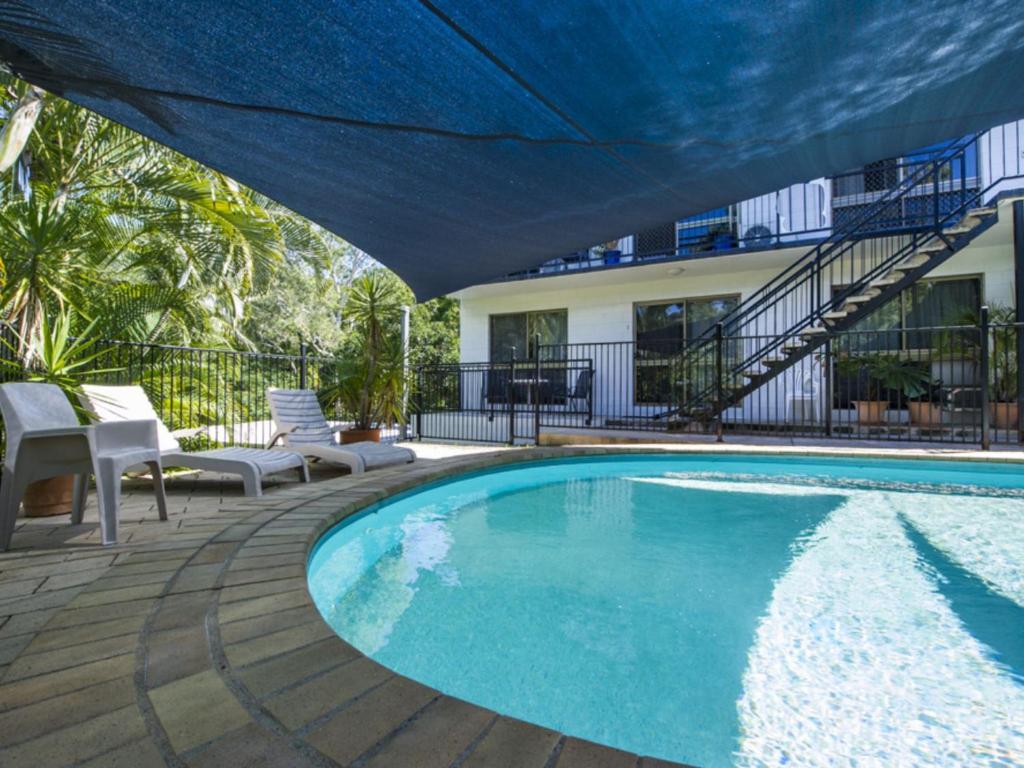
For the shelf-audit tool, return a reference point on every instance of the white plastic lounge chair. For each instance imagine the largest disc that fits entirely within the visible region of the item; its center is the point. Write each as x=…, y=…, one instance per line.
x=44, y=440
x=117, y=403
x=300, y=423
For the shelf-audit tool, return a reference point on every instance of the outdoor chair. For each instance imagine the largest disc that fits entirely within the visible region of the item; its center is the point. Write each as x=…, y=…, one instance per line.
x=300, y=423
x=45, y=440
x=109, y=404
x=583, y=390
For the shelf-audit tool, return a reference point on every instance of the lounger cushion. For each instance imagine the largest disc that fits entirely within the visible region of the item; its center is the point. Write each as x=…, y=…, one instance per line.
x=379, y=455
x=266, y=461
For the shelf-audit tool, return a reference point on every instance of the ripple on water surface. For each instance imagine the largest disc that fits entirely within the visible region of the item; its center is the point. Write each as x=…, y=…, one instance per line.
x=675, y=609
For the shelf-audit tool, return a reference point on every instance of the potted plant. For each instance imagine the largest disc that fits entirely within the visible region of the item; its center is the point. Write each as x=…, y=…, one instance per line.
x=924, y=404
x=884, y=373
x=370, y=379
x=1003, y=367
x=54, y=356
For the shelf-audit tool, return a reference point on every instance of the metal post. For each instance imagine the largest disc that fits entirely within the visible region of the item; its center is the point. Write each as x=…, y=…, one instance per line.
x=512, y=397
x=935, y=193
x=827, y=372
x=984, y=331
x=536, y=392
x=719, y=399
x=302, y=363
x=419, y=404
x=1018, y=330
x=406, y=311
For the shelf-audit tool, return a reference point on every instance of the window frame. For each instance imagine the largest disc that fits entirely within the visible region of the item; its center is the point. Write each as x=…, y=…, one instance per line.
x=903, y=331
x=529, y=342
x=685, y=301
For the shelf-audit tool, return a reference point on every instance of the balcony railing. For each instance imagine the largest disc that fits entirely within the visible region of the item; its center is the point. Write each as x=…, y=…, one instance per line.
x=802, y=213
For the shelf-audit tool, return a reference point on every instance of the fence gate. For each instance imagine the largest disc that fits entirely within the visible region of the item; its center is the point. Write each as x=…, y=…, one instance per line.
x=475, y=403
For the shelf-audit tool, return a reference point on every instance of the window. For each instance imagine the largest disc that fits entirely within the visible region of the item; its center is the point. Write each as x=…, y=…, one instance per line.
x=519, y=332
x=926, y=304
x=662, y=331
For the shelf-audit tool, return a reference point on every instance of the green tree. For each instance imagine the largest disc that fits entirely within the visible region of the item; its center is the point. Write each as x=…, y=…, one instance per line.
x=136, y=238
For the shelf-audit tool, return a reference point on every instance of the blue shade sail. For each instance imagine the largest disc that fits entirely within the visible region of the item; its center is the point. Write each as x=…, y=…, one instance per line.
x=459, y=141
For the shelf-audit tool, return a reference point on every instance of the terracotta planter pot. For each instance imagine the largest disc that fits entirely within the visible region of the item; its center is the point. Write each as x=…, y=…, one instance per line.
x=871, y=411
x=45, y=498
x=360, y=435
x=924, y=413
x=1004, y=415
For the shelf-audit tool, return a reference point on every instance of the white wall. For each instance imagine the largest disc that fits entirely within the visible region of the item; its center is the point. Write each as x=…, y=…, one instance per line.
x=600, y=304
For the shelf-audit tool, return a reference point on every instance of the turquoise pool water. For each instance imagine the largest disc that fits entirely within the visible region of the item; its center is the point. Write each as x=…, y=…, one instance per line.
x=714, y=610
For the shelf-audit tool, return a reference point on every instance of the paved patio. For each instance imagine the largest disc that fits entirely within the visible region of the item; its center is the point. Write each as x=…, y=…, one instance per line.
x=194, y=642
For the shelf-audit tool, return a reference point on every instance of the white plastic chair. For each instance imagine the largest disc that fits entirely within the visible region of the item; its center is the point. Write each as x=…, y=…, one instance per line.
x=44, y=440
x=110, y=404
x=300, y=423
x=803, y=396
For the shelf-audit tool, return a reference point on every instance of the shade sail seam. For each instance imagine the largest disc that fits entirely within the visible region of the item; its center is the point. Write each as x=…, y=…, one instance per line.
x=535, y=92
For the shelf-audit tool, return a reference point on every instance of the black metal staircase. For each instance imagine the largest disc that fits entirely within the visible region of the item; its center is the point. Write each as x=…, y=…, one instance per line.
x=905, y=233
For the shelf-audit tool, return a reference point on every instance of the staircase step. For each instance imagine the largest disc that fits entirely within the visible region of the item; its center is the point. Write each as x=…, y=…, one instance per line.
x=813, y=330
x=980, y=213
x=933, y=247
x=839, y=314
x=753, y=374
x=956, y=231
x=884, y=282
x=863, y=298
x=912, y=263
x=794, y=344
x=772, y=361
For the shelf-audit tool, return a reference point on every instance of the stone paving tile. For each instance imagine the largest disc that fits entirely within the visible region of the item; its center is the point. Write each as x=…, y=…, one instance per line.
x=72, y=617
x=274, y=643
x=58, y=598
x=256, y=626
x=102, y=596
x=51, y=639
x=78, y=742
x=25, y=622
x=214, y=553
x=236, y=578
x=306, y=702
x=268, y=561
x=11, y=646
x=137, y=754
x=577, y=753
x=195, y=578
x=31, y=664
x=197, y=709
x=369, y=720
x=440, y=734
x=249, y=747
x=512, y=743
x=73, y=579
x=9, y=589
x=176, y=653
x=182, y=610
x=261, y=589
x=249, y=550
x=280, y=672
x=258, y=606
x=33, y=689
x=37, y=719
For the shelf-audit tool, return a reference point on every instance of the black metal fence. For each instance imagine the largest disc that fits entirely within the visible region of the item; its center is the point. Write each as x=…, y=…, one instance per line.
x=208, y=397
x=499, y=402
x=952, y=384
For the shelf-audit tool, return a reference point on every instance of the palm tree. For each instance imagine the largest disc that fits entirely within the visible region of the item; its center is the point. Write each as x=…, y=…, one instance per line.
x=140, y=240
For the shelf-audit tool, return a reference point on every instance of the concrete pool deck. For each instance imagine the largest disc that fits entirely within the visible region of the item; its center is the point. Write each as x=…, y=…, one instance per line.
x=194, y=641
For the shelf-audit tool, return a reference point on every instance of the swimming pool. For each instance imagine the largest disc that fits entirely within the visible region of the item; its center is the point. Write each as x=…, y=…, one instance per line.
x=715, y=610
